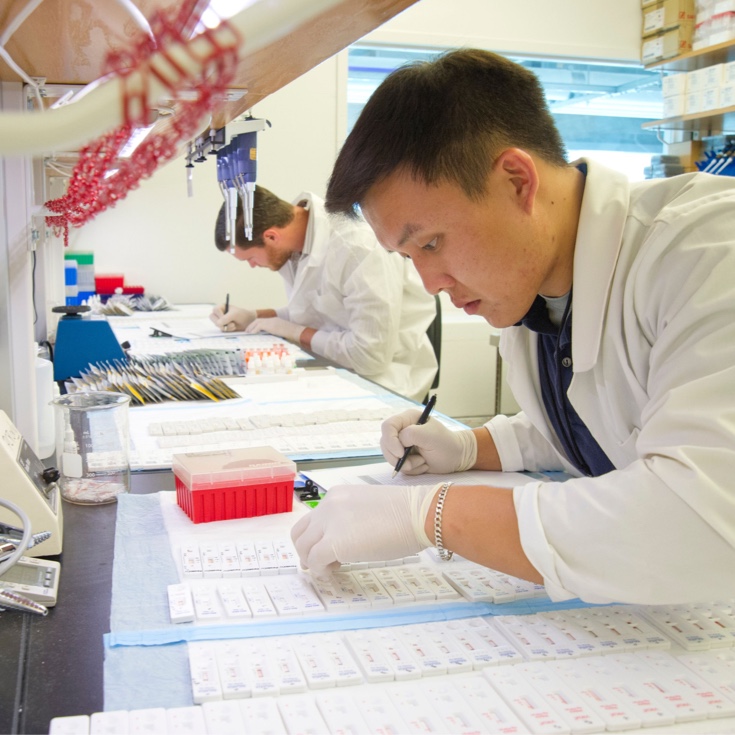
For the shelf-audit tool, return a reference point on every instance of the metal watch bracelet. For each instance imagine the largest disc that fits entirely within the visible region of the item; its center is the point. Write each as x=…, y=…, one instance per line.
x=444, y=554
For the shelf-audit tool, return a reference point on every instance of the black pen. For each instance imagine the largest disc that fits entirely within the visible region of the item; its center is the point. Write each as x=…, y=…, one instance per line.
x=422, y=420
x=227, y=303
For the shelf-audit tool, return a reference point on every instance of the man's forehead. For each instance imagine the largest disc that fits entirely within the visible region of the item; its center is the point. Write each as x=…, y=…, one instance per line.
x=392, y=233
x=391, y=221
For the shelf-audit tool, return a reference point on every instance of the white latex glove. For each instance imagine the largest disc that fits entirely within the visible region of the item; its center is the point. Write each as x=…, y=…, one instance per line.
x=277, y=326
x=235, y=320
x=435, y=448
x=363, y=523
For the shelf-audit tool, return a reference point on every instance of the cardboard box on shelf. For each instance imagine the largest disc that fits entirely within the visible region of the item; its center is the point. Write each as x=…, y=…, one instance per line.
x=675, y=106
x=727, y=95
x=696, y=80
x=728, y=73
x=668, y=44
x=695, y=102
x=713, y=75
x=674, y=84
x=667, y=14
x=711, y=99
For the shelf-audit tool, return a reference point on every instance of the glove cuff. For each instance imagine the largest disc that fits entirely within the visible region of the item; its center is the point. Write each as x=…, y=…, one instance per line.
x=249, y=316
x=468, y=445
x=422, y=498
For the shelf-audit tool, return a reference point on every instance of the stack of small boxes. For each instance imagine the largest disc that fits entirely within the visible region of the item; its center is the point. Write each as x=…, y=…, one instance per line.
x=702, y=90
x=663, y=166
x=710, y=88
x=715, y=23
x=668, y=29
x=78, y=277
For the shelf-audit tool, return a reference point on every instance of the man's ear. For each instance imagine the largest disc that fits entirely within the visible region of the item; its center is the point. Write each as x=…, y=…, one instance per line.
x=271, y=236
x=517, y=168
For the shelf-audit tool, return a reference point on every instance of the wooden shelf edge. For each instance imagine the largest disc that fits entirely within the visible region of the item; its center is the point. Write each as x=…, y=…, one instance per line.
x=670, y=122
x=695, y=59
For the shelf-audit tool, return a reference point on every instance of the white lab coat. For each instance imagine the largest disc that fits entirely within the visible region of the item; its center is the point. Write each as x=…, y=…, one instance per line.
x=653, y=350
x=369, y=307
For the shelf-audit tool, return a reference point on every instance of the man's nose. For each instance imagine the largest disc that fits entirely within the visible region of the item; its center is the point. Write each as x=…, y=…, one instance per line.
x=434, y=278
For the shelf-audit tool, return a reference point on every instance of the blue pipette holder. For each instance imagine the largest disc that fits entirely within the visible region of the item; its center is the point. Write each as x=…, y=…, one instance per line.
x=80, y=342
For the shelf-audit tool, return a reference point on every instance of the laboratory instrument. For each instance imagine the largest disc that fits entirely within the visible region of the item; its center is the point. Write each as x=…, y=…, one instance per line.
x=236, y=173
x=81, y=341
x=36, y=579
x=30, y=486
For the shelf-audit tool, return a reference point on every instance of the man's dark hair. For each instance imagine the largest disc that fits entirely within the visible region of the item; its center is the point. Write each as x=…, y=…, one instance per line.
x=444, y=120
x=268, y=211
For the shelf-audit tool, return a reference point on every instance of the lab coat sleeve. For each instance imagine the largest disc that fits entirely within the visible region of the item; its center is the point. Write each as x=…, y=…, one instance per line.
x=661, y=529
x=521, y=446
x=371, y=302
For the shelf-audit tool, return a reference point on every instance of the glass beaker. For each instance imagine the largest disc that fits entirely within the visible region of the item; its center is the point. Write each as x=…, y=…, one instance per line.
x=92, y=446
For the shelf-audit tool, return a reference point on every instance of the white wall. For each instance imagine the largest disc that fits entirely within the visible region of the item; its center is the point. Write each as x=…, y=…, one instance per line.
x=162, y=240
x=593, y=29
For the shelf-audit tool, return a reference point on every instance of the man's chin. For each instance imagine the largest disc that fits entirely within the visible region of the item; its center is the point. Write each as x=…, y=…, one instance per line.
x=495, y=321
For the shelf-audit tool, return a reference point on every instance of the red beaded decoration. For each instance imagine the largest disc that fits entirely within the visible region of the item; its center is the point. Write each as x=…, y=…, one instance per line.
x=99, y=180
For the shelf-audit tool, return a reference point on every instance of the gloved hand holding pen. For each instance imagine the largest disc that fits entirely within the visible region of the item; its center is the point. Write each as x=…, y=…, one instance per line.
x=363, y=523
x=232, y=318
x=435, y=447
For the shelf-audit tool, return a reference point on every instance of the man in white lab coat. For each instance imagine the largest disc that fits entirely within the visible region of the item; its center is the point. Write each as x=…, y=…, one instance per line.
x=348, y=299
x=617, y=304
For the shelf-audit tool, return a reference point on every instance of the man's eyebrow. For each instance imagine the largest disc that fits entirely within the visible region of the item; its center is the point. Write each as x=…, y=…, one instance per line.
x=408, y=231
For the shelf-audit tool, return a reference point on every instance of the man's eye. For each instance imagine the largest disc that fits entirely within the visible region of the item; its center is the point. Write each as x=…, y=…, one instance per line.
x=430, y=246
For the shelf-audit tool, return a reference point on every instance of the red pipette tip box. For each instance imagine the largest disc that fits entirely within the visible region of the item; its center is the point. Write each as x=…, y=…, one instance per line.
x=233, y=483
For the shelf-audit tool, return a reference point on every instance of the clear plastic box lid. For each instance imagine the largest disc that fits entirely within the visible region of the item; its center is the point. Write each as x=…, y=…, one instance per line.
x=232, y=467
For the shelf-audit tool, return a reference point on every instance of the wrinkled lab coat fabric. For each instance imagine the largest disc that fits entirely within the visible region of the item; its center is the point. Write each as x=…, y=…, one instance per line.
x=654, y=380
x=369, y=307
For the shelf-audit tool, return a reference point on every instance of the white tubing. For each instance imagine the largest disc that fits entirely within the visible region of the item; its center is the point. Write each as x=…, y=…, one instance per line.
x=18, y=21
x=100, y=109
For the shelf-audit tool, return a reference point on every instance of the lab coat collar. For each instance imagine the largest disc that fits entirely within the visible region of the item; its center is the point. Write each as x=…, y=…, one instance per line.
x=599, y=238
x=317, y=231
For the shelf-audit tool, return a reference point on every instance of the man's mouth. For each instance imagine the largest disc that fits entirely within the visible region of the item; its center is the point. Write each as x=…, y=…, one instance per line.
x=469, y=307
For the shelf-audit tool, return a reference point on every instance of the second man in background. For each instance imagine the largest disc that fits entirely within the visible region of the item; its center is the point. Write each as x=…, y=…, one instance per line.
x=349, y=300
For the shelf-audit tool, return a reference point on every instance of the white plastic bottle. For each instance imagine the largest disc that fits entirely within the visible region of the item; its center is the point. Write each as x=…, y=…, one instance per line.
x=45, y=394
